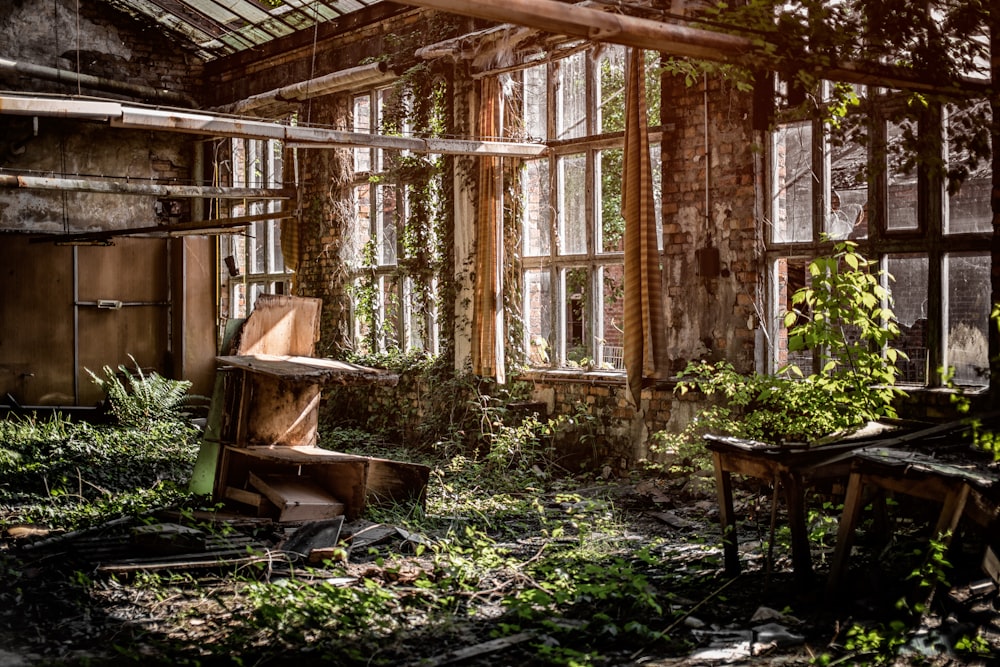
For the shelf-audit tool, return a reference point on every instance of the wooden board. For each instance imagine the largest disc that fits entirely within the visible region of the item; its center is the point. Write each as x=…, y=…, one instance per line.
x=298, y=498
x=261, y=505
x=396, y=481
x=310, y=369
x=280, y=413
x=280, y=324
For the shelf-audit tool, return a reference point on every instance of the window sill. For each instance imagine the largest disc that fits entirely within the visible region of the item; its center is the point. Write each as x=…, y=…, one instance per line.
x=603, y=376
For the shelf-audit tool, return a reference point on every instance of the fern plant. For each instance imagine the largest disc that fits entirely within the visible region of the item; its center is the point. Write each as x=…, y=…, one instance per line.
x=137, y=399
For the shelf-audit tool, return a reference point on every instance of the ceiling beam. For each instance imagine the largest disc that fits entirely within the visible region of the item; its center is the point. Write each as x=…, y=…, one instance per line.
x=682, y=41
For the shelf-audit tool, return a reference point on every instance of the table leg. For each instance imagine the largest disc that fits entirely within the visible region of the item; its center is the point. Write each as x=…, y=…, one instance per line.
x=727, y=518
x=795, y=502
x=845, y=533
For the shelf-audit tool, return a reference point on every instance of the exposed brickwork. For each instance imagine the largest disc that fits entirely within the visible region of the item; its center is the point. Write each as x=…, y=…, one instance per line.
x=710, y=316
x=326, y=209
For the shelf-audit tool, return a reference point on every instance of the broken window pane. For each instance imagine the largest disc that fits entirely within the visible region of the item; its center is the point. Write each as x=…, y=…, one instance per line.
x=909, y=303
x=847, y=195
x=538, y=316
x=967, y=312
x=789, y=275
x=792, y=180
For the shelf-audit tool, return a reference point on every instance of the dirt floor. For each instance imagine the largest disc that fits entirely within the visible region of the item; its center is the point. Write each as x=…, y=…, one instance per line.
x=61, y=604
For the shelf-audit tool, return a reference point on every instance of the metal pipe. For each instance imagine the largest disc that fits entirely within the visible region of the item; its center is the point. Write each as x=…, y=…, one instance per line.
x=76, y=326
x=94, y=82
x=361, y=76
x=142, y=189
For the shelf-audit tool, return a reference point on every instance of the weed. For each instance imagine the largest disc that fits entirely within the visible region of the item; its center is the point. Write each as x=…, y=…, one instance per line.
x=142, y=398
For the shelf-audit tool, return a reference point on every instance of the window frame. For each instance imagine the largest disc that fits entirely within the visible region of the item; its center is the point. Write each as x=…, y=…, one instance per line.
x=589, y=256
x=928, y=237
x=254, y=163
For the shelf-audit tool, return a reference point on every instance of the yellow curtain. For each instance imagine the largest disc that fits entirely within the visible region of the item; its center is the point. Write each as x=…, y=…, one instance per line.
x=487, y=317
x=645, y=336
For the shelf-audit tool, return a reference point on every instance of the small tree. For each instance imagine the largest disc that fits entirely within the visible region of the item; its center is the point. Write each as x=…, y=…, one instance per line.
x=844, y=317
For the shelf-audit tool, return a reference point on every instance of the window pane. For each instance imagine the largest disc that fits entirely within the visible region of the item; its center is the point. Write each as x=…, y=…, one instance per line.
x=611, y=89
x=276, y=174
x=572, y=208
x=258, y=247
x=656, y=167
x=361, y=232
x=653, y=88
x=383, y=99
x=256, y=289
x=793, y=180
x=790, y=275
x=390, y=312
x=571, y=97
x=909, y=296
x=256, y=168
x=238, y=304
x=362, y=123
x=276, y=260
x=576, y=307
x=848, y=194
x=612, y=224
x=613, y=317
x=538, y=316
x=969, y=207
x=239, y=175
x=967, y=289
x=387, y=224
x=535, y=103
x=537, y=209
x=901, y=207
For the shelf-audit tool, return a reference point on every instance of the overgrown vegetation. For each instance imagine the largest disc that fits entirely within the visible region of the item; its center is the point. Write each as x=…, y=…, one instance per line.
x=54, y=471
x=844, y=321
x=507, y=546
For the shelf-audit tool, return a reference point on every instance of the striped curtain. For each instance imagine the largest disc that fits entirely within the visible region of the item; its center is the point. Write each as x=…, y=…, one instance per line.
x=645, y=336
x=487, y=317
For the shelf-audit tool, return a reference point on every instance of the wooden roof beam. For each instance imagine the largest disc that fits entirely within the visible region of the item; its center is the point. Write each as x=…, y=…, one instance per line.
x=682, y=41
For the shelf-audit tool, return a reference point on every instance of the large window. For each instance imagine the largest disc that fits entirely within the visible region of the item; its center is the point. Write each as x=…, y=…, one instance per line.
x=251, y=262
x=889, y=184
x=393, y=289
x=570, y=203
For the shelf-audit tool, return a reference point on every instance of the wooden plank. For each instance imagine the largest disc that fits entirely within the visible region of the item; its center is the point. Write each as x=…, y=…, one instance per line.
x=280, y=413
x=298, y=498
x=257, y=501
x=297, y=455
x=281, y=325
x=396, y=481
x=310, y=369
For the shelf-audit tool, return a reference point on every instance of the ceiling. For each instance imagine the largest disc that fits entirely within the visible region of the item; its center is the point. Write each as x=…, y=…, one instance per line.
x=218, y=28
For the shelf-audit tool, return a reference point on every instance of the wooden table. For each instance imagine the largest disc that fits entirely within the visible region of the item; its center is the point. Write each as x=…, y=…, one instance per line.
x=791, y=468
x=962, y=490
